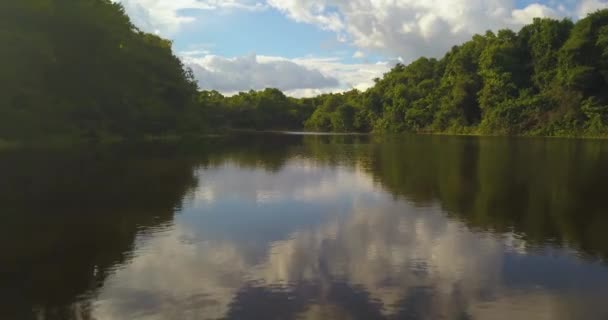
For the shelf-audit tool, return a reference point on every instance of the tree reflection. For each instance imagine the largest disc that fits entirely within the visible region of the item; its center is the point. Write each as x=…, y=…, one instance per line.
x=547, y=191
x=70, y=218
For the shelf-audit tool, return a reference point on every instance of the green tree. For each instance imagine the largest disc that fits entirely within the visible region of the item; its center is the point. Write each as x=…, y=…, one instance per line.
x=81, y=69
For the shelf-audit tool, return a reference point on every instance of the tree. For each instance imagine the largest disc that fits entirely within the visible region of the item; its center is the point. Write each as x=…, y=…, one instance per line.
x=117, y=80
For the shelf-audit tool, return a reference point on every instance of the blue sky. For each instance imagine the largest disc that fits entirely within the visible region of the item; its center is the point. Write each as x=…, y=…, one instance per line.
x=306, y=47
x=265, y=32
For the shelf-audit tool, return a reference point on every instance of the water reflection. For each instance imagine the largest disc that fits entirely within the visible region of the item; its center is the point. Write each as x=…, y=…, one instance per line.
x=70, y=217
x=312, y=228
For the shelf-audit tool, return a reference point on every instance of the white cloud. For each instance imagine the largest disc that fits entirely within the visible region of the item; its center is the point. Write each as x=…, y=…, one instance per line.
x=589, y=6
x=401, y=30
x=527, y=14
x=299, y=77
x=166, y=16
x=229, y=75
x=359, y=54
x=308, y=11
x=413, y=28
x=352, y=75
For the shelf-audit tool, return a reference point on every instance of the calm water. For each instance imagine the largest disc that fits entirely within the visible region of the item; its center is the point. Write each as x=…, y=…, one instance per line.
x=307, y=227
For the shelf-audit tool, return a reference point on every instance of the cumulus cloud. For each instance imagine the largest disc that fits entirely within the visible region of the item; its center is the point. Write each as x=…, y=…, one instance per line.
x=413, y=28
x=352, y=75
x=250, y=72
x=527, y=14
x=401, y=30
x=298, y=77
x=588, y=6
x=167, y=16
x=359, y=54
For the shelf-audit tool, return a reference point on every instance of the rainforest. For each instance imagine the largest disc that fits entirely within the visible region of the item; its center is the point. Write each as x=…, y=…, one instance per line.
x=80, y=70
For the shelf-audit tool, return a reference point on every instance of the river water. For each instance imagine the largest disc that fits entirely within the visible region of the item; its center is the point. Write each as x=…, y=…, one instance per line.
x=274, y=226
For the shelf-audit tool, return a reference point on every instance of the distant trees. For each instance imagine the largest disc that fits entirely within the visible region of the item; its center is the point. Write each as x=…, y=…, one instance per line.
x=269, y=109
x=337, y=112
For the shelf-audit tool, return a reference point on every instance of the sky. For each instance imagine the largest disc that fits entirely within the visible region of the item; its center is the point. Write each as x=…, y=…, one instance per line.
x=308, y=47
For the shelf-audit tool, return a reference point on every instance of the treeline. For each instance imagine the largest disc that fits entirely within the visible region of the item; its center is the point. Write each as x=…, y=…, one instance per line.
x=269, y=109
x=550, y=78
x=81, y=69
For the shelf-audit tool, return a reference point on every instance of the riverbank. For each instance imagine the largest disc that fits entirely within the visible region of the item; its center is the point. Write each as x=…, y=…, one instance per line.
x=64, y=142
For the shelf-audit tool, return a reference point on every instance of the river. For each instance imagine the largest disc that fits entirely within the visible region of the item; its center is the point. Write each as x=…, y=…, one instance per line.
x=289, y=226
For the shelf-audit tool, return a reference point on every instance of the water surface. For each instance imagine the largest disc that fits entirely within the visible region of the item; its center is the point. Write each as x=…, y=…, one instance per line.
x=307, y=227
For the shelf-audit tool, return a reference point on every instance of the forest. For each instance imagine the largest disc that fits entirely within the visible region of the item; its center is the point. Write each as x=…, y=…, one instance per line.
x=548, y=79
x=81, y=70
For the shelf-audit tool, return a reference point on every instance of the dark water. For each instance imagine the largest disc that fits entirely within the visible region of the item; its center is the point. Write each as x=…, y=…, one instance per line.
x=307, y=227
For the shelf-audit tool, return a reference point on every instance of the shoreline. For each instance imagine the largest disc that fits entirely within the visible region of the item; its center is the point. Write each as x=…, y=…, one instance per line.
x=6, y=144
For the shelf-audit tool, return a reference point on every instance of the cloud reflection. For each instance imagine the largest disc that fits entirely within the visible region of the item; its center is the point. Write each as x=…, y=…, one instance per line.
x=379, y=258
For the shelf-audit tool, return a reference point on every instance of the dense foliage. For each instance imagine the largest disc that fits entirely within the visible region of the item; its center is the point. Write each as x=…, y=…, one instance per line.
x=254, y=110
x=82, y=69
x=550, y=78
